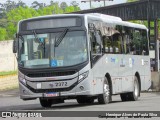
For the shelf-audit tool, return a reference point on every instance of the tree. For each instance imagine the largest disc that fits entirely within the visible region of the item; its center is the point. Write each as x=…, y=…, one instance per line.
x=63, y=6
x=2, y=11
x=69, y=9
x=15, y=15
x=75, y=5
x=9, y=5
x=48, y=10
x=3, y=23
x=53, y=3
x=21, y=3
x=37, y=5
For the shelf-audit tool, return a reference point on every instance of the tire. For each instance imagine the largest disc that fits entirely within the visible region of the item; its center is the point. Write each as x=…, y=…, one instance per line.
x=133, y=96
x=105, y=98
x=45, y=102
x=85, y=100
x=136, y=93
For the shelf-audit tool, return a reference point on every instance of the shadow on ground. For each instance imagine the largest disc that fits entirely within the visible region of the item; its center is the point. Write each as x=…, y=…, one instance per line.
x=63, y=106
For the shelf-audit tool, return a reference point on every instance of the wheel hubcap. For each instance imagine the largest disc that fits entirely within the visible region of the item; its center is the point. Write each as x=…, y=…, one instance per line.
x=136, y=89
x=106, y=90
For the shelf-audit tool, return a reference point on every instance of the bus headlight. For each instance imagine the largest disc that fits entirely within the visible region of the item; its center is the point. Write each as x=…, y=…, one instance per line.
x=22, y=80
x=82, y=76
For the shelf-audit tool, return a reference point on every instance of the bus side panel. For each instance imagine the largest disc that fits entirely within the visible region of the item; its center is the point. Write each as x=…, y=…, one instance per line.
x=111, y=66
x=98, y=76
x=107, y=64
x=126, y=73
x=139, y=68
x=147, y=72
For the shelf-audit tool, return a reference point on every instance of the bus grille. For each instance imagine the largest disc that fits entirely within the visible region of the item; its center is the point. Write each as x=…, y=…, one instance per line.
x=52, y=90
x=50, y=74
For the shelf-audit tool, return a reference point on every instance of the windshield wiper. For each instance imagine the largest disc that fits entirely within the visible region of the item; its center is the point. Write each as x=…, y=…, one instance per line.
x=35, y=35
x=59, y=40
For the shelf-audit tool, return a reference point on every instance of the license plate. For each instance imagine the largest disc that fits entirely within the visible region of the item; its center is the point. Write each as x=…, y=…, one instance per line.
x=51, y=94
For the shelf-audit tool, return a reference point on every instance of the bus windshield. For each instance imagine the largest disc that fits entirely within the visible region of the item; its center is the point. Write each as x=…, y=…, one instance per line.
x=42, y=52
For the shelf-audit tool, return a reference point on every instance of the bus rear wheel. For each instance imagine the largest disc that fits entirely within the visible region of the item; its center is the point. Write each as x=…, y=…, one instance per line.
x=133, y=96
x=45, y=102
x=106, y=96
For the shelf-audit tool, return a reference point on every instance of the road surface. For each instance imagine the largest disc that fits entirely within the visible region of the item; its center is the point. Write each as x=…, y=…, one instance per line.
x=10, y=100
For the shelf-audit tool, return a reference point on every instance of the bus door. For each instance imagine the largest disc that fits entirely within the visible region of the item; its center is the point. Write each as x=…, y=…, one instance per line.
x=95, y=56
x=116, y=44
x=126, y=64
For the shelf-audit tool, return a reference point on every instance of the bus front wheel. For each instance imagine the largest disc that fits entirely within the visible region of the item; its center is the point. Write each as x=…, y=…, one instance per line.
x=106, y=96
x=45, y=102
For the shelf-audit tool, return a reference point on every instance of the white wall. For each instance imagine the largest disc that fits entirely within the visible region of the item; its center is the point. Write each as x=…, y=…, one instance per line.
x=8, y=60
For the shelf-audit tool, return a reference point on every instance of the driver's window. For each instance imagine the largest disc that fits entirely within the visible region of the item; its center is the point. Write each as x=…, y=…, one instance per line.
x=96, y=43
x=96, y=46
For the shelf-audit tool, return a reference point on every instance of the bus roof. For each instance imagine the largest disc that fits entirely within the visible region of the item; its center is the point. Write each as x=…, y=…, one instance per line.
x=105, y=18
x=54, y=15
x=116, y=20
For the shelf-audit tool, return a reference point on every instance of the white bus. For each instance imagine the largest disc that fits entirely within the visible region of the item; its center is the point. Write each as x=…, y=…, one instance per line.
x=83, y=57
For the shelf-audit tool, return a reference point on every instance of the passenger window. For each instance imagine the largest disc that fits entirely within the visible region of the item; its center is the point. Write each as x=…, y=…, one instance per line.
x=128, y=45
x=107, y=44
x=145, y=49
x=121, y=39
x=137, y=39
x=117, y=41
x=113, y=41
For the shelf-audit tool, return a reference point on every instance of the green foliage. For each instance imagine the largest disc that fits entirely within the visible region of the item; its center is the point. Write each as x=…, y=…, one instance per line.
x=11, y=13
x=71, y=9
x=3, y=23
x=8, y=73
x=63, y=6
x=145, y=22
x=16, y=15
x=131, y=0
x=3, y=33
x=20, y=13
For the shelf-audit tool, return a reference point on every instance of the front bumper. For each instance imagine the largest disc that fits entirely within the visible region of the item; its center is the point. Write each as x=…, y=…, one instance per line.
x=26, y=93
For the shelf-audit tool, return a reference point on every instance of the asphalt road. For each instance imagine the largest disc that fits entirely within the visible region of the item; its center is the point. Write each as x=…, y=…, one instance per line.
x=10, y=100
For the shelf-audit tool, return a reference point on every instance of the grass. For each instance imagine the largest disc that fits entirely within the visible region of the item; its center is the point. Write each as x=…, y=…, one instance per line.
x=13, y=87
x=8, y=73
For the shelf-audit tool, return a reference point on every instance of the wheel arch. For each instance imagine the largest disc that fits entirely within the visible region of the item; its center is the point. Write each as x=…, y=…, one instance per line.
x=139, y=80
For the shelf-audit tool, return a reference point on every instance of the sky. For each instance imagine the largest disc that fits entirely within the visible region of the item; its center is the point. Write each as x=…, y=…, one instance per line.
x=82, y=5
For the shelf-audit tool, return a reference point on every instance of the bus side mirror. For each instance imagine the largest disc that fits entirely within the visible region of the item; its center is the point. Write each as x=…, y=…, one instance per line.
x=15, y=44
